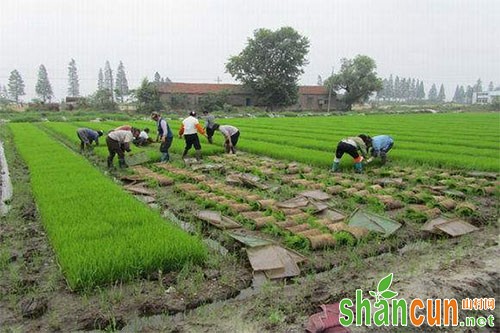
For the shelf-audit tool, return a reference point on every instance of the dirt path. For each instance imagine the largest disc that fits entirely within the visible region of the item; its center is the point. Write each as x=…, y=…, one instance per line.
x=451, y=269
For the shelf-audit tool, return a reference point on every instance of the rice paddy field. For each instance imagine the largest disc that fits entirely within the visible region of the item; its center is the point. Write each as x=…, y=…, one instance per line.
x=123, y=246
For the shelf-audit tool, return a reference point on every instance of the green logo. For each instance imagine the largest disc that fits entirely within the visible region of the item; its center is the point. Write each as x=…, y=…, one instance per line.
x=383, y=291
x=388, y=310
x=380, y=312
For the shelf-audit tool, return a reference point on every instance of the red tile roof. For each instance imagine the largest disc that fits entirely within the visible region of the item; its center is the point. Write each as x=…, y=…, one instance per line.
x=198, y=88
x=203, y=88
x=313, y=90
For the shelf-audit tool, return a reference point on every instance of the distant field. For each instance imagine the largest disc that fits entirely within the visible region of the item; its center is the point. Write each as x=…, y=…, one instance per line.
x=461, y=140
x=453, y=140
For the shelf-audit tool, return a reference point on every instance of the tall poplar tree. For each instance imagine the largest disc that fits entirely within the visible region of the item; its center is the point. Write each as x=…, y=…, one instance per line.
x=469, y=94
x=100, y=80
x=421, y=91
x=432, y=96
x=43, y=88
x=108, y=79
x=157, y=78
x=456, y=95
x=478, y=87
x=491, y=87
x=73, y=83
x=16, y=85
x=461, y=95
x=121, y=83
x=441, y=96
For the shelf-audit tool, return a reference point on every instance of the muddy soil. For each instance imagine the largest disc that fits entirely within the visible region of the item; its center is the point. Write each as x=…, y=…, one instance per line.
x=448, y=269
x=220, y=297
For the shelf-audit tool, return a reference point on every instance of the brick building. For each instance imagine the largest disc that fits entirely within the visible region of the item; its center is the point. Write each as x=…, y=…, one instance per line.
x=189, y=94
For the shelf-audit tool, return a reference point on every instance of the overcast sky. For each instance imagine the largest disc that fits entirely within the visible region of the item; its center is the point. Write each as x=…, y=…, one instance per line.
x=437, y=41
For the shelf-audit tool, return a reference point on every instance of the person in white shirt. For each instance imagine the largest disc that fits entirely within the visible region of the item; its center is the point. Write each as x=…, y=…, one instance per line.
x=143, y=138
x=189, y=129
x=118, y=141
x=231, y=136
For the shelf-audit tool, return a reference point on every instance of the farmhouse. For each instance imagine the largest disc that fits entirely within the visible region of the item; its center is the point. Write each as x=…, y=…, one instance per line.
x=485, y=97
x=189, y=95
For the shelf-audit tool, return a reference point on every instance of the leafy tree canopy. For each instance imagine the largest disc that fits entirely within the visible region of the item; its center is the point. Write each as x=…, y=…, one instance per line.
x=101, y=100
x=270, y=65
x=148, y=97
x=356, y=80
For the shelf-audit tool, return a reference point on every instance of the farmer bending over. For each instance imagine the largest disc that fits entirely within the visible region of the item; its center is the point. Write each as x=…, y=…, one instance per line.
x=209, y=125
x=353, y=146
x=143, y=139
x=87, y=136
x=381, y=144
x=231, y=136
x=118, y=142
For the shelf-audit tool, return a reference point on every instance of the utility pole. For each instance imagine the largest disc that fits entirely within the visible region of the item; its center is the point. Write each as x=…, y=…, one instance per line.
x=218, y=80
x=330, y=93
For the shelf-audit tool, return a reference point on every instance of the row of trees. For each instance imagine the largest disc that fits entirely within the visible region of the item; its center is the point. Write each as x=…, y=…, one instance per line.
x=464, y=95
x=15, y=87
x=404, y=89
x=157, y=78
x=107, y=86
x=434, y=96
x=409, y=90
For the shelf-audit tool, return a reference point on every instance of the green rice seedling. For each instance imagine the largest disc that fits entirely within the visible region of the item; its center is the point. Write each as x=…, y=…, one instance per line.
x=100, y=233
x=297, y=242
x=466, y=209
x=375, y=205
x=440, y=140
x=276, y=317
x=344, y=238
x=273, y=230
x=415, y=216
x=471, y=189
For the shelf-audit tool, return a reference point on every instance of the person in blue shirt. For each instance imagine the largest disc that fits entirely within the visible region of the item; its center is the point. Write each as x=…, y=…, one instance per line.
x=381, y=144
x=165, y=135
x=87, y=136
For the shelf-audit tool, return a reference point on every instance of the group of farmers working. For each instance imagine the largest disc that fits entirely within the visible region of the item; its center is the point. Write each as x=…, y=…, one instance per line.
x=119, y=139
x=359, y=147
